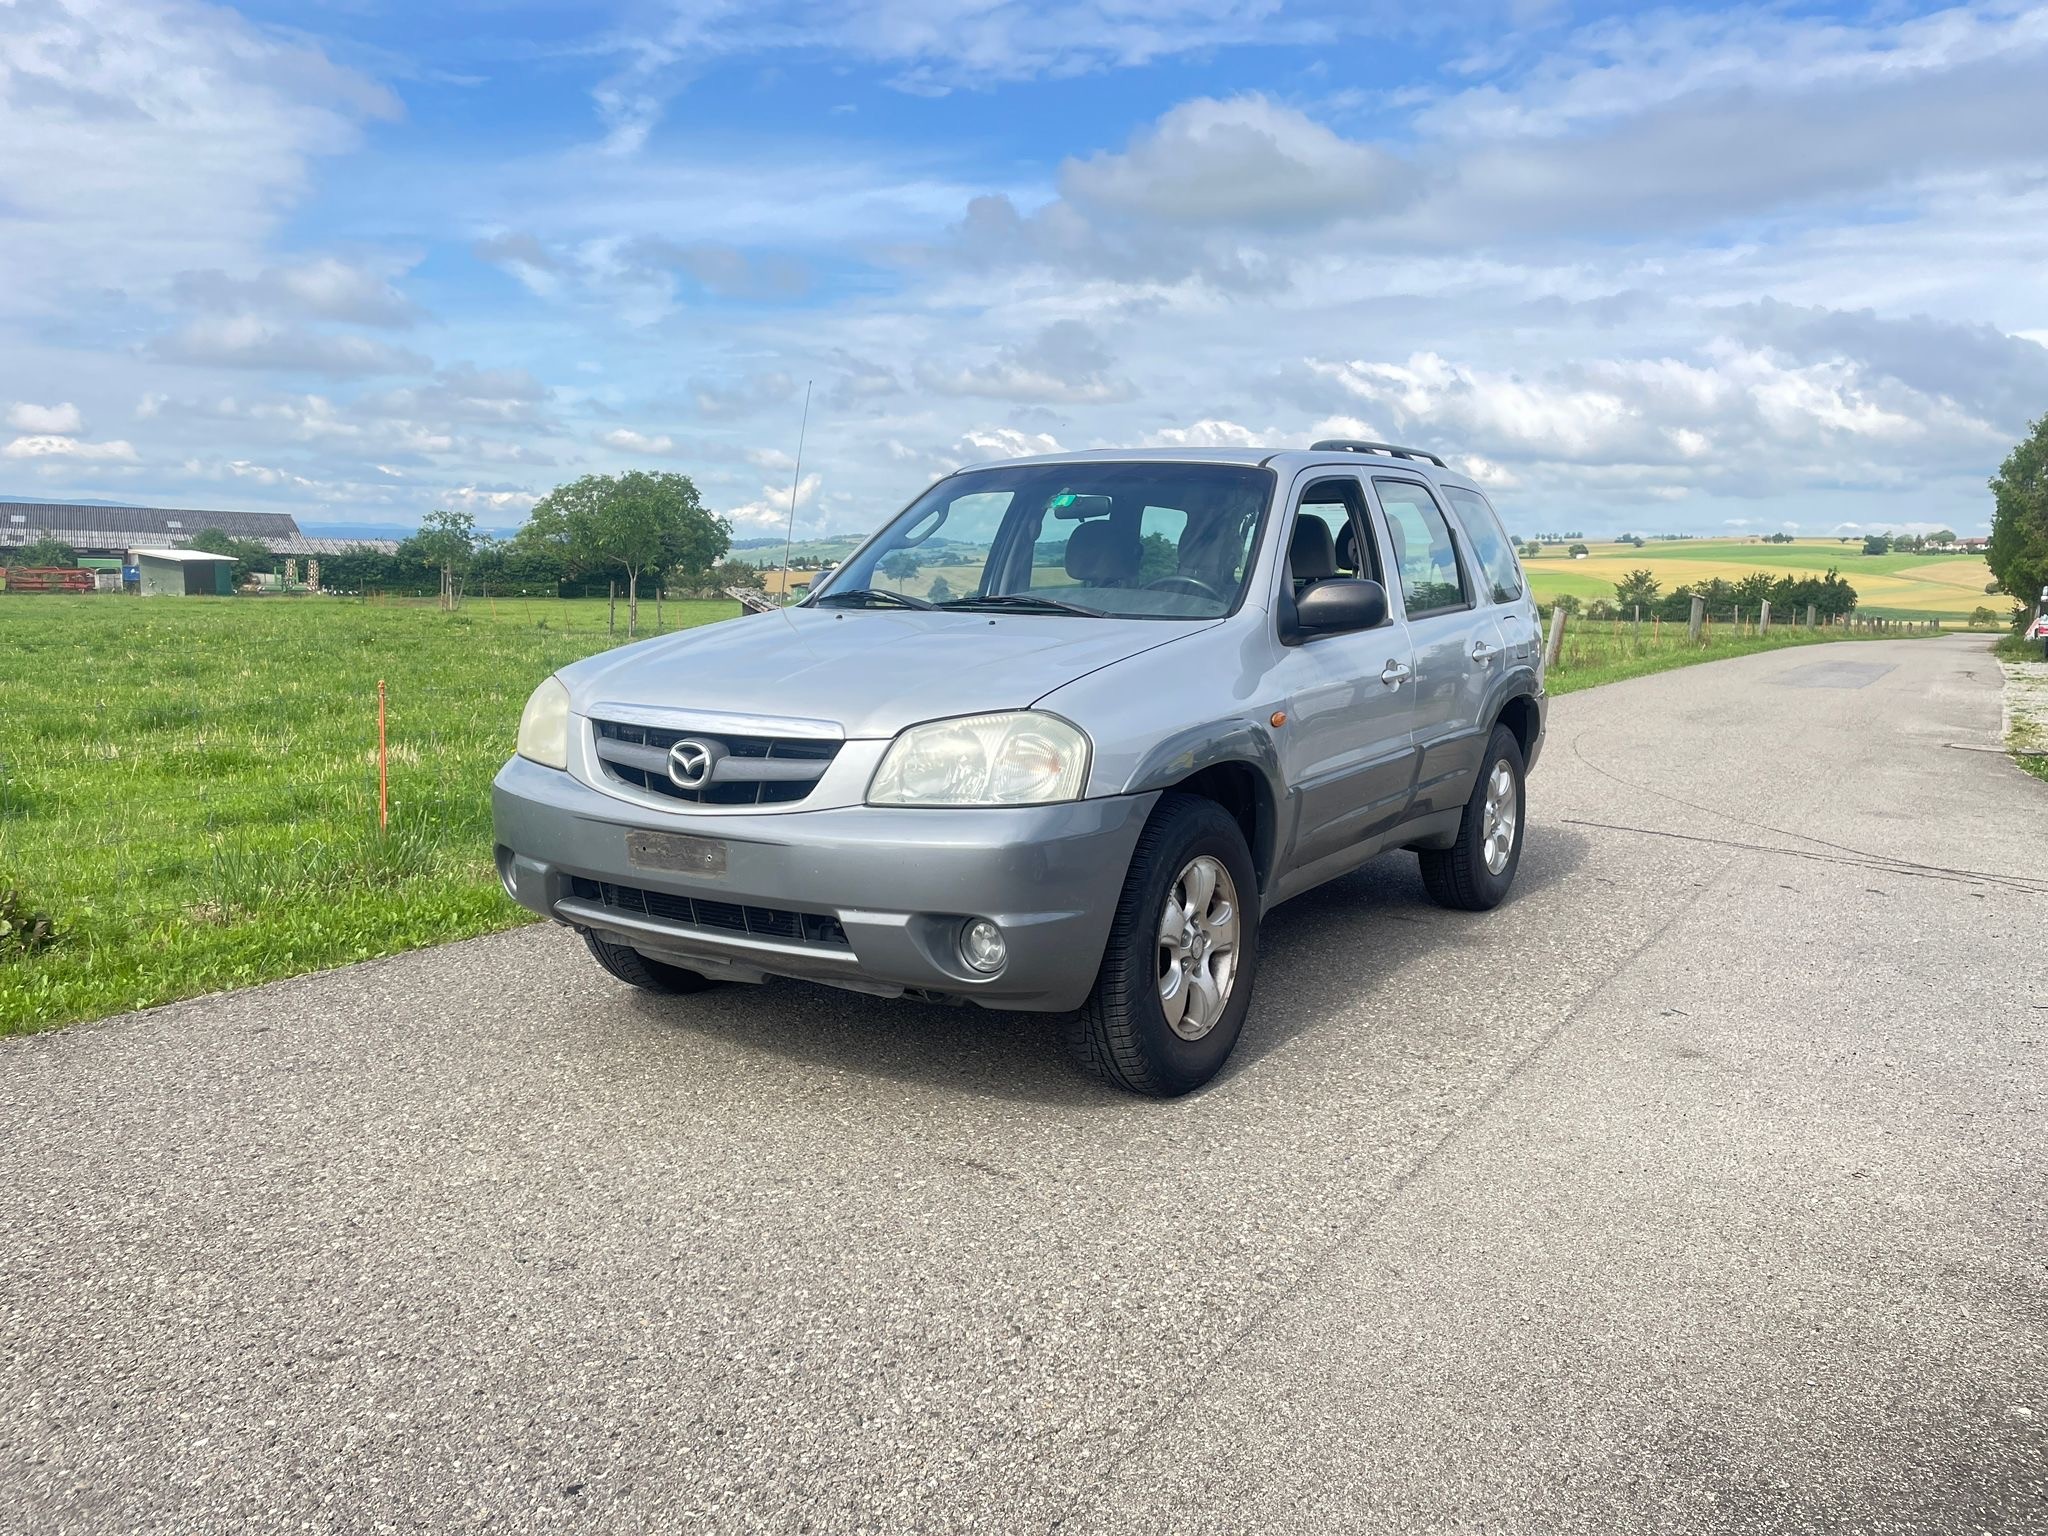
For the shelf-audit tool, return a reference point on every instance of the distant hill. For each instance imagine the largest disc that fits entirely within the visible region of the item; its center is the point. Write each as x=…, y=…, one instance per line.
x=70, y=501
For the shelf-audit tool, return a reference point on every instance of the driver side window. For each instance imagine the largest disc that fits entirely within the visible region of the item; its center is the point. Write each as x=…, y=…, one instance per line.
x=1340, y=507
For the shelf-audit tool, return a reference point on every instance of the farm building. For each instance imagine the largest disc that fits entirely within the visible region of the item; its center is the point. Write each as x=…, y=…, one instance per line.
x=184, y=573
x=103, y=535
x=778, y=582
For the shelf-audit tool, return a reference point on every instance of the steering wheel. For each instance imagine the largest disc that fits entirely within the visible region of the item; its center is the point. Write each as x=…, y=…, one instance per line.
x=1193, y=583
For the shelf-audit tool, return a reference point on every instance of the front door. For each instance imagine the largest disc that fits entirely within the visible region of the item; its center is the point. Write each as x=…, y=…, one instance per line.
x=1457, y=640
x=1347, y=747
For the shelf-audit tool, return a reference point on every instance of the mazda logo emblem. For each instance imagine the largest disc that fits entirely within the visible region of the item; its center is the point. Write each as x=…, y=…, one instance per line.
x=691, y=762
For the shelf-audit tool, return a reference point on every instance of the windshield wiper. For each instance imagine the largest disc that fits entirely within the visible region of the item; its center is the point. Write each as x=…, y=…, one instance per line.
x=1023, y=600
x=865, y=595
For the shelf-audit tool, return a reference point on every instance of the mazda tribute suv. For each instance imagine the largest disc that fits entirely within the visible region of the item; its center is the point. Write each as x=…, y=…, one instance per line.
x=1060, y=736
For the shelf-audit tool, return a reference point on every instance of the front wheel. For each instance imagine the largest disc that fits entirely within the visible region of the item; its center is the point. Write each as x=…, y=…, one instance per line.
x=1176, y=978
x=634, y=968
x=1474, y=873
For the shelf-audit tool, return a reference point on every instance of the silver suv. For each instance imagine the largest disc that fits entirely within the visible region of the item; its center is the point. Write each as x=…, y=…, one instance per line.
x=1059, y=737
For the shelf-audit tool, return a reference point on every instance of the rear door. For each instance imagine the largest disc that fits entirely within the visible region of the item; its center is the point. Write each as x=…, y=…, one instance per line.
x=1347, y=748
x=1499, y=573
x=1457, y=642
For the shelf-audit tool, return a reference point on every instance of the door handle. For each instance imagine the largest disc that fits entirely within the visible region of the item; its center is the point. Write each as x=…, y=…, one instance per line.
x=1395, y=673
x=1481, y=651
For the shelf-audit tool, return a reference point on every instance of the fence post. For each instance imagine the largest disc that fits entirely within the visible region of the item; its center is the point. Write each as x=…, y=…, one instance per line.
x=611, y=615
x=657, y=607
x=1763, y=618
x=1809, y=615
x=1699, y=619
x=383, y=767
x=1555, y=648
x=1639, y=626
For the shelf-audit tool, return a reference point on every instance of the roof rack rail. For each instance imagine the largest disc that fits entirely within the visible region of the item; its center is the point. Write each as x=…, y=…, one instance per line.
x=1359, y=445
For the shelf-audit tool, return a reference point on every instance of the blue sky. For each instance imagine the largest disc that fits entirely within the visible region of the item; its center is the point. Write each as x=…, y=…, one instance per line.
x=1723, y=270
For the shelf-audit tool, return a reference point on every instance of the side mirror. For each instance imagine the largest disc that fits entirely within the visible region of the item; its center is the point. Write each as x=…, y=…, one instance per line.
x=1338, y=606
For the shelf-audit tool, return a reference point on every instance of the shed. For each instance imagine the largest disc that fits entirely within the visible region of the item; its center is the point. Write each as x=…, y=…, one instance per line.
x=184, y=572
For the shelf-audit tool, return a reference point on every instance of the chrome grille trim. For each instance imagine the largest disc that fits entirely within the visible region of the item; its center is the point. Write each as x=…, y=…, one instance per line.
x=751, y=769
x=718, y=722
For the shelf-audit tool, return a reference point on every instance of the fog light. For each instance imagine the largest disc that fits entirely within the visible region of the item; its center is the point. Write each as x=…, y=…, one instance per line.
x=982, y=946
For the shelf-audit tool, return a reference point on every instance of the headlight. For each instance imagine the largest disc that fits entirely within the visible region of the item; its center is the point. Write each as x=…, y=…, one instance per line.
x=1012, y=759
x=544, y=725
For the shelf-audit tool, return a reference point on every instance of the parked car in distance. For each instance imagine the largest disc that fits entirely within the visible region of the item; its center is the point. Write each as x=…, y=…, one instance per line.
x=1061, y=736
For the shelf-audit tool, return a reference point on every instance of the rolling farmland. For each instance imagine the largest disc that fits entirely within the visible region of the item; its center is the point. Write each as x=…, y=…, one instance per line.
x=1898, y=586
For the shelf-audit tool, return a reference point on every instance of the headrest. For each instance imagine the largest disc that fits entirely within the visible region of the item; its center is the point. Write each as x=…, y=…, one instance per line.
x=1347, y=549
x=1311, y=552
x=1098, y=556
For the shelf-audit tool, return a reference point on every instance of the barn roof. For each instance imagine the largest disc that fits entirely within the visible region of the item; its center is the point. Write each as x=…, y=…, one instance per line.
x=182, y=556
x=127, y=523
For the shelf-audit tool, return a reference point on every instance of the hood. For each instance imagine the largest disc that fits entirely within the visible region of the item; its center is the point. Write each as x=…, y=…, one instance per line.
x=874, y=671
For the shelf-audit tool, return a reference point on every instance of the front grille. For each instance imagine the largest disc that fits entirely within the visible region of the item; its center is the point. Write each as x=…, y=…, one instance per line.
x=754, y=770
x=728, y=916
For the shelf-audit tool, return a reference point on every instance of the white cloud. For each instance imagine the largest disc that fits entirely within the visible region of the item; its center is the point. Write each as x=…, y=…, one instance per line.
x=251, y=341
x=324, y=288
x=626, y=440
x=49, y=447
x=1209, y=434
x=937, y=46
x=1007, y=443
x=144, y=140
x=1242, y=161
x=1066, y=361
x=64, y=419
x=770, y=510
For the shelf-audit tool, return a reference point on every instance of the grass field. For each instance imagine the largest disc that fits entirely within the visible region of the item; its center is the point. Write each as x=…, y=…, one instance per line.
x=189, y=788
x=1890, y=586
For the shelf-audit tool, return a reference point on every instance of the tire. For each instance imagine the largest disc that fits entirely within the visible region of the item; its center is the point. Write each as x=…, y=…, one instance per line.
x=1125, y=1034
x=1461, y=876
x=635, y=969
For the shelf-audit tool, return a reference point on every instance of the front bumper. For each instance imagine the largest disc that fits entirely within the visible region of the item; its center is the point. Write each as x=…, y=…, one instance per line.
x=898, y=883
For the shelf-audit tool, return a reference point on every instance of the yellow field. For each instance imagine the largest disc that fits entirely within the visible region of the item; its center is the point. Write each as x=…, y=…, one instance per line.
x=1900, y=585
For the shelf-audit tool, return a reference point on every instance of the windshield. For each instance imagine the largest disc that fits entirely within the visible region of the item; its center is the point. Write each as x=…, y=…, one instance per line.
x=1128, y=540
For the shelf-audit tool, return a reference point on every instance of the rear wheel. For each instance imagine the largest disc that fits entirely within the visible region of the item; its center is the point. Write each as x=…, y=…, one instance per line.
x=635, y=969
x=1176, y=978
x=1474, y=873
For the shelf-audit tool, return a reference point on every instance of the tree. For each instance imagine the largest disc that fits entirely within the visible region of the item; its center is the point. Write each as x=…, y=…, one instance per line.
x=43, y=552
x=2018, y=551
x=734, y=573
x=250, y=555
x=446, y=540
x=1638, y=589
x=941, y=591
x=1877, y=544
x=634, y=523
x=1577, y=550
x=1755, y=589
x=1942, y=536
x=1980, y=616
x=901, y=565
x=1569, y=603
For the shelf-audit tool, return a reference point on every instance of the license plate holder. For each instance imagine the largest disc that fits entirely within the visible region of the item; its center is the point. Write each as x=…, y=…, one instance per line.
x=676, y=852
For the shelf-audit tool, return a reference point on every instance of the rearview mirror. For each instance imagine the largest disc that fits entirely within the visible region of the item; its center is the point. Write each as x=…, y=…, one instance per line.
x=1338, y=606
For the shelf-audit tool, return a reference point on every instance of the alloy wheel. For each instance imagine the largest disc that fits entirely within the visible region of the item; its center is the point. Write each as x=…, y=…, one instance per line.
x=1502, y=816
x=1198, y=943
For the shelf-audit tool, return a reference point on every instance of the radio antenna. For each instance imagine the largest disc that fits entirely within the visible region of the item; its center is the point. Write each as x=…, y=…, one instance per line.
x=796, y=480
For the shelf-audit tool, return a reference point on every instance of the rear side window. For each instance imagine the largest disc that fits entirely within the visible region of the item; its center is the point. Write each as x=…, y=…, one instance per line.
x=1490, y=543
x=1431, y=581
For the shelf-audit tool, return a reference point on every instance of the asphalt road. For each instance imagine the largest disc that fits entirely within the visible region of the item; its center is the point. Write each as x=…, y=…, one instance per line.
x=1701, y=1188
